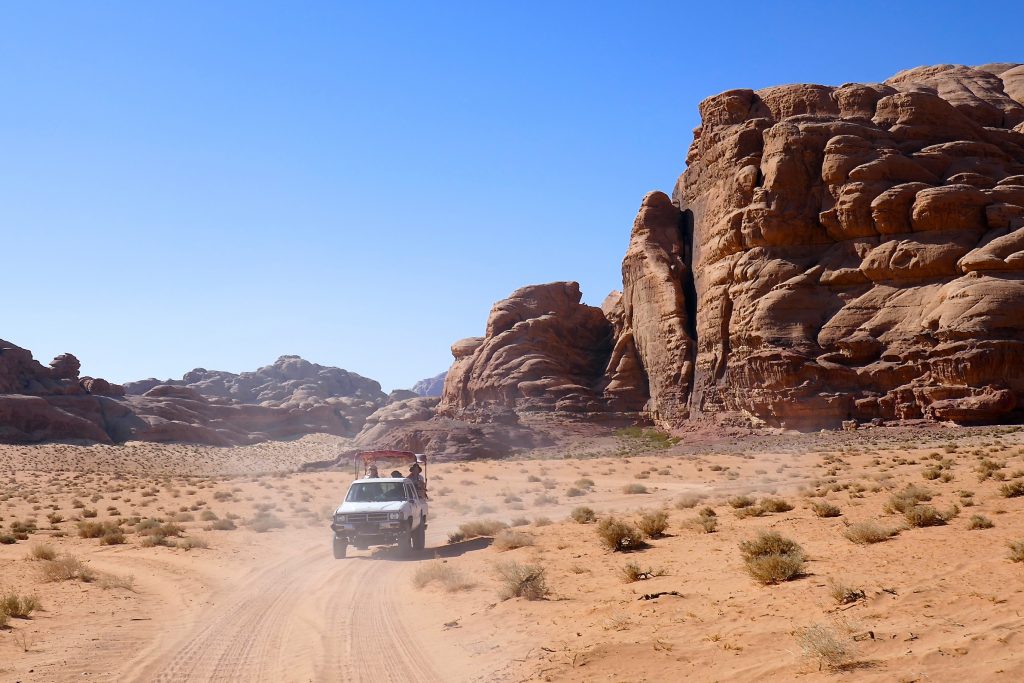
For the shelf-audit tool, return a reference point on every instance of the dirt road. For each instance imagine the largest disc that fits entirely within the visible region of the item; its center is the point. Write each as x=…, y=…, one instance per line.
x=301, y=617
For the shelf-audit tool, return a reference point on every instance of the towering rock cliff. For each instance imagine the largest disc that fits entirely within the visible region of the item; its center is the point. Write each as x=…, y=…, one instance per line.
x=830, y=253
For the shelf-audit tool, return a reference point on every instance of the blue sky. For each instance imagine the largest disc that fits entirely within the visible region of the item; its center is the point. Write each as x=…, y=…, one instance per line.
x=216, y=184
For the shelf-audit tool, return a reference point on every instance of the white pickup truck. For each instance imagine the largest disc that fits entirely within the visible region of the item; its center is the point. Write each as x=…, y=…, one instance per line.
x=381, y=511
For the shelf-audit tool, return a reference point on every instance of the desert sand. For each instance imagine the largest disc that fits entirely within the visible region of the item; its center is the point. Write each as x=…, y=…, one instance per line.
x=189, y=598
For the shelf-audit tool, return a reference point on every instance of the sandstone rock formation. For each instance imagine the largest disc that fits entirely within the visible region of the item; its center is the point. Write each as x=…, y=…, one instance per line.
x=432, y=386
x=830, y=254
x=542, y=351
x=40, y=403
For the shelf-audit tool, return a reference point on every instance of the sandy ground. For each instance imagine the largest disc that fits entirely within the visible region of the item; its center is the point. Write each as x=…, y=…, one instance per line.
x=265, y=601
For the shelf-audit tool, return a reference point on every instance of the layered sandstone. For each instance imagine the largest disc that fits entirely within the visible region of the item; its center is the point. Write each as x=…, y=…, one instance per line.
x=830, y=253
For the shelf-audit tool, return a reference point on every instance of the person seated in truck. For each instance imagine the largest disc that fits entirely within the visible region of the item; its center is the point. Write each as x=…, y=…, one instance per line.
x=417, y=479
x=371, y=472
x=395, y=474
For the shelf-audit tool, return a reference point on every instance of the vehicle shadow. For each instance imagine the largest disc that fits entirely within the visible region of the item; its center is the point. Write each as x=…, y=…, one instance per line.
x=440, y=552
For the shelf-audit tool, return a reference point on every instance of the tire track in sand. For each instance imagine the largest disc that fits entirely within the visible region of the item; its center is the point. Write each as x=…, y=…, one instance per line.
x=305, y=617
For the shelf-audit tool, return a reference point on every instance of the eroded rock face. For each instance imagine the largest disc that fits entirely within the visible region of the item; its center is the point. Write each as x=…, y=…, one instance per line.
x=857, y=252
x=542, y=351
x=40, y=403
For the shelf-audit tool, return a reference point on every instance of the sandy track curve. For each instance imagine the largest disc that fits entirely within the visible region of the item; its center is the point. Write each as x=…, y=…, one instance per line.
x=302, y=617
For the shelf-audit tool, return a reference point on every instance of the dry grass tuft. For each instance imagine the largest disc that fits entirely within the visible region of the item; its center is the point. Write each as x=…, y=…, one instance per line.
x=522, y=581
x=740, y=502
x=448, y=576
x=864, y=533
x=823, y=645
x=1017, y=551
x=41, y=551
x=689, y=500
x=706, y=521
x=844, y=594
x=19, y=606
x=508, y=539
x=907, y=498
x=653, y=524
x=633, y=572
x=618, y=535
x=776, y=505
x=108, y=581
x=66, y=568
x=771, y=558
x=476, y=529
x=979, y=522
x=926, y=515
x=1012, y=489
x=823, y=508
x=634, y=488
x=583, y=515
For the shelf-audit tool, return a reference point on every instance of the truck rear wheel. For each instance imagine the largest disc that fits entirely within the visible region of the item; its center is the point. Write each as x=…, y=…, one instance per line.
x=419, y=537
x=340, y=548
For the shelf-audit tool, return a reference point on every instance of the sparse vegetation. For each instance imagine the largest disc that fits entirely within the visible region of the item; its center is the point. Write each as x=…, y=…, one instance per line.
x=1017, y=551
x=653, y=524
x=867, y=532
x=739, y=502
x=771, y=558
x=823, y=508
x=42, y=551
x=509, y=539
x=689, y=500
x=821, y=644
x=522, y=581
x=619, y=536
x=66, y=568
x=634, y=488
x=843, y=593
x=633, y=572
x=476, y=529
x=583, y=515
x=19, y=606
x=926, y=515
x=979, y=522
x=448, y=576
x=1012, y=489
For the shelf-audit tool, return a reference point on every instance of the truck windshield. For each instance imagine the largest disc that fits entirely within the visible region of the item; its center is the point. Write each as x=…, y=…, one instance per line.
x=376, y=492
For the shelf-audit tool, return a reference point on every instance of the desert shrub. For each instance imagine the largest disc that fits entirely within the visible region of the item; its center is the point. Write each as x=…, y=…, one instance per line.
x=1017, y=551
x=112, y=537
x=649, y=438
x=265, y=521
x=522, y=581
x=634, y=489
x=222, y=525
x=584, y=483
x=574, y=492
x=821, y=644
x=844, y=594
x=926, y=515
x=772, y=558
x=545, y=499
x=184, y=517
x=5, y=620
x=864, y=533
x=448, y=576
x=191, y=542
x=542, y=521
x=207, y=516
x=706, y=523
x=653, y=524
x=41, y=551
x=108, y=581
x=89, y=514
x=1012, y=489
x=7, y=539
x=54, y=518
x=533, y=479
x=19, y=606
x=519, y=521
x=97, y=529
x=689, y=500
x=509, y=539
x=583, y=515
x=739, y=502
x=776, y=505
x=825, y=509
x=66, y=568
x=633, y=572
x=481, y=527
x=907, y=498
x=617, y=535
x=979, y=522
x=752, y=511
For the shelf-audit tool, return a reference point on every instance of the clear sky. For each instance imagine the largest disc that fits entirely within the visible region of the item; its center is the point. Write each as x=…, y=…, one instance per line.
x=215, y=184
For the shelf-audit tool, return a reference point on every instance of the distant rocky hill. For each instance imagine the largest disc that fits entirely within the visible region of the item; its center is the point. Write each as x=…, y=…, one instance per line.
x=432, y=386
x=289, y=398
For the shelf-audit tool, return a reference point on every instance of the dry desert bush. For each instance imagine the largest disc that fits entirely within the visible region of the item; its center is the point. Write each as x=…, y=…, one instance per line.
x=522, y=581
x=740, y=502
x=475, y=529
x=509, y=539
x=706, y=521
x=907, y=498
x=66, y=568
x=634, y=488
x=689, y=500
x=771, y=558
x=979, y=522
x=1017, y=551
x=823, y=645
x=844, y=594
x=863, y=533
x=775, y=505
x=653, y=524
x=823, y=508
x=926, y=515
x=1012, y=489
x=41, y=551
x=618, y=535
x=448, y=576
x=19, y=606
x=633, y=572
x=583, y=515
